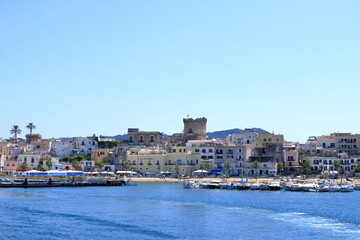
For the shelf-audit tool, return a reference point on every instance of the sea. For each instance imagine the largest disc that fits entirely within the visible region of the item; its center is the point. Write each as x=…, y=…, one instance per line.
x=169, y=211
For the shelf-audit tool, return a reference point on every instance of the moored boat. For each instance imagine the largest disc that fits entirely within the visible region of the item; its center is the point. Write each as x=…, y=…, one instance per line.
x=275, y=185
x=255, y=186
x=191, y=183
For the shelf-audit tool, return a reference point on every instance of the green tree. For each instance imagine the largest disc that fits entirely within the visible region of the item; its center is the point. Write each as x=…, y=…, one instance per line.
x=30, y=126
x=15, y=130
x=227, y=167
x=306, y=167
x=256, y=166
x=337, y=165
x=126, y=165
x=280, y=166
x=48, y=164
x=100, y=165
x=202, y=168
x=24, y=166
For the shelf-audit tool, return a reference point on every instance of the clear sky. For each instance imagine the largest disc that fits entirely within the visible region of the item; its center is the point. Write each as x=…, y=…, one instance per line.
x=82, y=67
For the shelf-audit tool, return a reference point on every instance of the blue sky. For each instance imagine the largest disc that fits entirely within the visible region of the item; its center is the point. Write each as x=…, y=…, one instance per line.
x=80, y=67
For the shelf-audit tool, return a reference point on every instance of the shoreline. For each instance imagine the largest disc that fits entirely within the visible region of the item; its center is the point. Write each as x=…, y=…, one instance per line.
x=251, y=180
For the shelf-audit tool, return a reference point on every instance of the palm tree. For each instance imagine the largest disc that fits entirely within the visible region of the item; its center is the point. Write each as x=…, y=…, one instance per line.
x=227, y=167
x=337, y=165
x=30, y=126
x=15, y=130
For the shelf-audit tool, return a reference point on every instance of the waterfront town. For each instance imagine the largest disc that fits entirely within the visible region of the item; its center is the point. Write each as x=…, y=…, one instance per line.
x=249, y=152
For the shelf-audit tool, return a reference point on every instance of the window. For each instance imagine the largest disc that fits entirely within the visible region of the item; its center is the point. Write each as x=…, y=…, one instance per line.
x=151, y=138
x=130, y=138
x=290, y=158
x=264, y=139
x=197, y=150
x=141, y=138
x=239, y=150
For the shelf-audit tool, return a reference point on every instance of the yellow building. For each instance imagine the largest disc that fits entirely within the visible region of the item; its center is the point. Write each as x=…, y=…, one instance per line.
x=346, y=143
x=99, y=154
x=177, y=161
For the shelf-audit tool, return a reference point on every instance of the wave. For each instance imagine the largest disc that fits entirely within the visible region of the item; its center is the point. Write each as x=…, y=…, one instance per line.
x=100, y=222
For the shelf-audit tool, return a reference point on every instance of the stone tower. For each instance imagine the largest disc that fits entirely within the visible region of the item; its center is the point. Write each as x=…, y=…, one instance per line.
x=194, y=129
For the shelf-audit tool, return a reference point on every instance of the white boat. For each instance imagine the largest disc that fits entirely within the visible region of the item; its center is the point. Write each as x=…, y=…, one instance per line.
x=264, y=186
x=275, y=185
x=192, y=183
x=356, y=186
x=129, y=182
x=346, y=188
x=224, y=184
x=214, y=184
x=232, y=185
x=255, y=186
x=296, y=187
x=204, y=185
x=306, y=187
x=323, y=188
x=334, y=188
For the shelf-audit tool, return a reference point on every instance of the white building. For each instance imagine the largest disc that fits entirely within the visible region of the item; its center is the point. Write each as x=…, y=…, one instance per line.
x=327, y=163
x=61, y=149
x=32, y=160
x=84, y=145
x=246, y=138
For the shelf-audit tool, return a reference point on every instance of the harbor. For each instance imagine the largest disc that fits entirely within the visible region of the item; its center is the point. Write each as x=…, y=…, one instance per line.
x=295, y=185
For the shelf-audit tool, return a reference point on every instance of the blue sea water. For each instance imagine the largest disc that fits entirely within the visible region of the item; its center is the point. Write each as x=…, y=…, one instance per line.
x=168, y=211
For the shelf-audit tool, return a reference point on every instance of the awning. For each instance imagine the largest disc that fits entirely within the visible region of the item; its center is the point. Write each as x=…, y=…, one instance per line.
x=216, y=171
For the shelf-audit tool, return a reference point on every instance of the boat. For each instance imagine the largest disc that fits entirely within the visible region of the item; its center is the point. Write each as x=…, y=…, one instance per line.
x=346, y=188
x=297, y=187
x=275, y=185
x=323, y=188
x=191, y=183
x=129, y=182
x=232, y=185
x=264, y=186
x=356, y=186
x=214, y=185
x=255, y=186
x=224, y=184
x=306, y=187
x=334, y=188
x=204, y=185
x=243, y=186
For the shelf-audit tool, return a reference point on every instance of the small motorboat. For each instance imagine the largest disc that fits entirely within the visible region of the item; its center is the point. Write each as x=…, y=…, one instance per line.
x=255, y=186
x=275, y=185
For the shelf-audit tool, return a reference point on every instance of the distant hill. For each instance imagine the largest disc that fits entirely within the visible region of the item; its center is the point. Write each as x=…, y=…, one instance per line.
x=224, y=133
x=216, y=134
